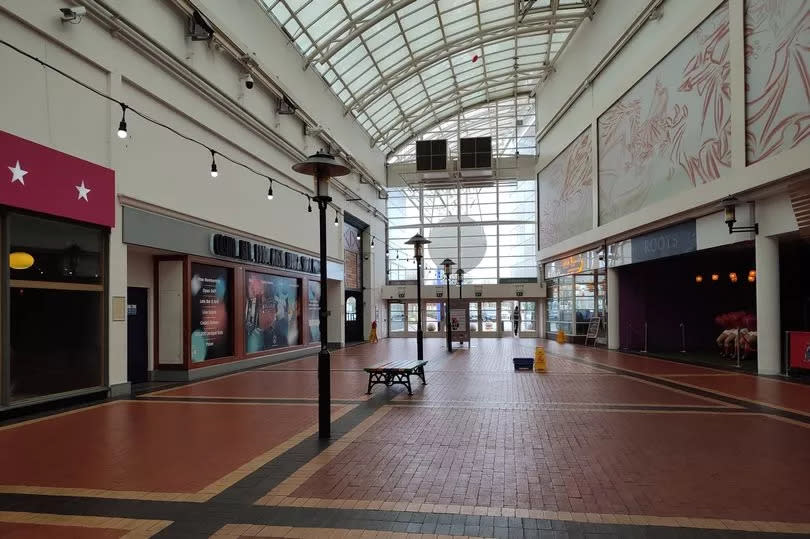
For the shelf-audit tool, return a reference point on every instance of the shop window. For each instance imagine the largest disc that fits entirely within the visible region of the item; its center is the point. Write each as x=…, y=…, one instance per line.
x=56, y=306
x=351, y=309
x=313, y=310
x=272, y=310
x=211, y=312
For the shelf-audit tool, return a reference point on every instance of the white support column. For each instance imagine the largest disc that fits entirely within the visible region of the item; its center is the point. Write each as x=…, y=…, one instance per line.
x=613, y=308
x=769, y=340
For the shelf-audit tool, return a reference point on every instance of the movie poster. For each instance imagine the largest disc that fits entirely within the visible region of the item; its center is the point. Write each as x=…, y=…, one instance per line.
x=211, y=334
x=314, y=299
x=272, y=311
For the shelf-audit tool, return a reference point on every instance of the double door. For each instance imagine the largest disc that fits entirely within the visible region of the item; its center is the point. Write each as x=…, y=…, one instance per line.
x=495, y=318
x=487, y=318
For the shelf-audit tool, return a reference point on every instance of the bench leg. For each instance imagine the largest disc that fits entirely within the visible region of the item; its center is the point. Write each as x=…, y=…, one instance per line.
x=420, y=372
x=368, y=391
x=407, y=383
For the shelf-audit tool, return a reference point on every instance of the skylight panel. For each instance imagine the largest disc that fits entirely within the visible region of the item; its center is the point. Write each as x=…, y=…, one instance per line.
x=418, y=16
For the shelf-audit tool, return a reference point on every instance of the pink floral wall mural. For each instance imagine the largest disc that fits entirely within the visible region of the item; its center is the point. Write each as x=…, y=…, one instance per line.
x=565, y=193
x=777, y=76
x=672, y=130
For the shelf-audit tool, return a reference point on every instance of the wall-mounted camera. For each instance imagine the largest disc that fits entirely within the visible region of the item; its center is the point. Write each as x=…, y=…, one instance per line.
x=73, y=14
x=247, y=78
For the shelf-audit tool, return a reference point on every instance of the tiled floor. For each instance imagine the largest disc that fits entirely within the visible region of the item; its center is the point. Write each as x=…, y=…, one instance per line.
x=602, y=445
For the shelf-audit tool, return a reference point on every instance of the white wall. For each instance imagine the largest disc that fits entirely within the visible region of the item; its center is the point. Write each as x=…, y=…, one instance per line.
x=156, y=167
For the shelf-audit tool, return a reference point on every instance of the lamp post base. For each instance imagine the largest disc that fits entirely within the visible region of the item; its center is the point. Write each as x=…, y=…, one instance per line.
x=324, y=395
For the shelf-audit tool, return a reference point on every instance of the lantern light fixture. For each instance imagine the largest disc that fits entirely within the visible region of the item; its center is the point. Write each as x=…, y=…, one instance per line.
x=698, y=278
x=732, y=277
x=730, y=216
x=715, y=277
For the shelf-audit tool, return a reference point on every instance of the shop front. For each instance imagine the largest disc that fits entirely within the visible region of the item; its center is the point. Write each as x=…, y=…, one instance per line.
x=246, y=302
x=576, y=293
x=682, y=294
x=56, y=212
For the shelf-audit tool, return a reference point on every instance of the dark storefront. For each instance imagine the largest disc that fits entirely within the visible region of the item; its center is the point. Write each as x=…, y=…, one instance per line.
x=55, y=217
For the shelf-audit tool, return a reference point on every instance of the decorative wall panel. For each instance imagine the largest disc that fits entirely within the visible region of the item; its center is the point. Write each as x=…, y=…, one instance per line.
x=565, y=193
x=672, y=130
x=777, y=76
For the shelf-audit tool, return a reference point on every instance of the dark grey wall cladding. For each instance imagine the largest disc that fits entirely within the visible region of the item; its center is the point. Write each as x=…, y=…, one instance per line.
x=149, y=229
x=160, y=232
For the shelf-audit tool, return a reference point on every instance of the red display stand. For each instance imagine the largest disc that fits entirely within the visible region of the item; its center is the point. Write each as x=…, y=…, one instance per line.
x=799, y=349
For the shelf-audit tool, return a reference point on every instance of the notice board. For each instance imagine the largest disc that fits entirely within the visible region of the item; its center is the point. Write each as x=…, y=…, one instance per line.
x=459, y=321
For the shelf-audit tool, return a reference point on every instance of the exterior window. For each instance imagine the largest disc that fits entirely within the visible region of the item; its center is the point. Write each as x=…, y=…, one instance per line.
x=56, y=306
x=351, y=309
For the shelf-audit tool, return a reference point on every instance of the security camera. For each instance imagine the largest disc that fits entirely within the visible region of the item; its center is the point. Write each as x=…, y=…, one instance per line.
x=248, y=81
x=73, y=14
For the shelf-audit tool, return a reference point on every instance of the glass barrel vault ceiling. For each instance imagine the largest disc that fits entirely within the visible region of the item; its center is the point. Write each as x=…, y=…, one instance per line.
x=401, y=66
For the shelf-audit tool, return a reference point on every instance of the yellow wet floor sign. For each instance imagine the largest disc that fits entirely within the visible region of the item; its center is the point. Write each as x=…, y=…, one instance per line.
x=539, y=359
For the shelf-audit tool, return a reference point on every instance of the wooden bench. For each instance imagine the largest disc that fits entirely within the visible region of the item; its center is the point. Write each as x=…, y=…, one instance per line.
x=395, y=372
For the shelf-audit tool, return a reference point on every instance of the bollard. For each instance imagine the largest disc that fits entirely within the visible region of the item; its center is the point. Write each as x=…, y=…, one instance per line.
x=539, y=359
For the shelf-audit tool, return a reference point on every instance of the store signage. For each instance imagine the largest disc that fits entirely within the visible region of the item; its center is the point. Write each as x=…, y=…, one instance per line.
x=44, y=180
x=573, y=264
x=799, y=346
x=519, y=291
x=247, y=251
x=401, y=292
x=459, y=321
x=675, y=240
x=479, y=291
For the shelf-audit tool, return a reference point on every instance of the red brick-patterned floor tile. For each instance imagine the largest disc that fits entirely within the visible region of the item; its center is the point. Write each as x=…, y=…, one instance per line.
x=756, y=388
x=543, y=388
x=16, y=530
x=263, y=384
x=145, y=446
x=728, y=466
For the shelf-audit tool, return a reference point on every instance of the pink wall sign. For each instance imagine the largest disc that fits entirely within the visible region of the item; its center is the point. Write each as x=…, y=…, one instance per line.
x=41, y=179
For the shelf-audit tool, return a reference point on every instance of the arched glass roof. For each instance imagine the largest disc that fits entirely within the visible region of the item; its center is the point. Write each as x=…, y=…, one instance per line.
x=401, y=66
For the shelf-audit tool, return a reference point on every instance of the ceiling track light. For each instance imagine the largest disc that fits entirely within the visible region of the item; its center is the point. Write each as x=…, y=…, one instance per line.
x=122, y=125
x=270, y=189
x=214, y=172
x=336, y=219
x=309, y=204
x=372, y=242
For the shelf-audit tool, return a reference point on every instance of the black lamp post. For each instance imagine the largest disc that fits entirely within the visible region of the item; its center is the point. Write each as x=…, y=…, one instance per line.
x=322, y=166
x=460, y=279
x=418, y=242
x=448, y=265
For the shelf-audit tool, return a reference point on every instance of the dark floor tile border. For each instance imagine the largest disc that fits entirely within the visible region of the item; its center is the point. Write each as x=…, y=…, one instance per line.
x=199, y=520
x=249, y=401
x=574, y=407
x=672, y=384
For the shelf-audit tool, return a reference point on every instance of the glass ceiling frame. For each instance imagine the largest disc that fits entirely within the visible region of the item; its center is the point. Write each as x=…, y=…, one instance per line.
x=401, y=66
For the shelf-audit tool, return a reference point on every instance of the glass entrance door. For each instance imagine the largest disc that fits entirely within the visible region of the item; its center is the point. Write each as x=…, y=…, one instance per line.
x=489, y=317
x=507, y=308
x=434, y=317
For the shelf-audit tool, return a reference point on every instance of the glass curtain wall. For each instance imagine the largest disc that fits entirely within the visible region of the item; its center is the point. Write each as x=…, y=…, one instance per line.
x=488, y=231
